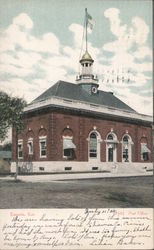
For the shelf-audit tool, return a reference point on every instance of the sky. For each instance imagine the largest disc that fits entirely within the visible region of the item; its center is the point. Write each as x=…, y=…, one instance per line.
x=41, y=41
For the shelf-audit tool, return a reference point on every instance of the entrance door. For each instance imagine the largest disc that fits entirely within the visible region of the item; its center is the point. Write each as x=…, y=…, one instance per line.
x=110, y=154
x=111, y=148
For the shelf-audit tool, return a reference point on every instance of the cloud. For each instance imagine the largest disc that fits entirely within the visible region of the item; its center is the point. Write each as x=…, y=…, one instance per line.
x=126, y=38
x=31, y=64
x=24, y=57
x=23, y=21
x=115, y=23
x=19, y=87
x=143, y=52
x=18, y=34
x=136, y=33
x=131, y=53
x=77, y=30
x=140, y=30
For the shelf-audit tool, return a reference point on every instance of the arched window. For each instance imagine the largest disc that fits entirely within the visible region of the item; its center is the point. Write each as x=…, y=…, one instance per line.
x=30, y=142
x=93, y=145
x=94, y=141
x=43, y=146
x=127, y=148
x=110, y=137
x=30, y=146
x=43, y=142
x=111, y=147
x=20, y=149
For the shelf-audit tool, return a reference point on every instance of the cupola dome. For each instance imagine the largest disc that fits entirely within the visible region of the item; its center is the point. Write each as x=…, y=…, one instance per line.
x=86, y=57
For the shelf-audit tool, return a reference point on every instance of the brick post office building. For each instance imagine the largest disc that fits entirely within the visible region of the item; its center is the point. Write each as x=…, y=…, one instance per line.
x=77, y=127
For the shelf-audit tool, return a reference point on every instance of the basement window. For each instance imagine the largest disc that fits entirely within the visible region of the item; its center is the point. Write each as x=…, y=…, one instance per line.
x=41, y=168
x=94, y=168
x=68, y=168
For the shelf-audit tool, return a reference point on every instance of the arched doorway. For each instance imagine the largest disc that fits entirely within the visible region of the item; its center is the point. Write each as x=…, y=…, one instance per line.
x=111, y=147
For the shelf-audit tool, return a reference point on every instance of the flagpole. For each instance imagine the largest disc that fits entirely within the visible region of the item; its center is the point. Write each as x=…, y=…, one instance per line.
x=86, y=27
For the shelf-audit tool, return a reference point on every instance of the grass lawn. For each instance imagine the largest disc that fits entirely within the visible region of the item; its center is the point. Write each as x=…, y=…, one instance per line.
x=93, y=193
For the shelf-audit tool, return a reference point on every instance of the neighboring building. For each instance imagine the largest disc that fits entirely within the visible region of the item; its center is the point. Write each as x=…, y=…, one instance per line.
x=5, y=160
x=77, y=127
x=6, y=155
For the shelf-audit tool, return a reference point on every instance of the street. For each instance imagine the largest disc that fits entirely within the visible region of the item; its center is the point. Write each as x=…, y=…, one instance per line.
x=93, y=193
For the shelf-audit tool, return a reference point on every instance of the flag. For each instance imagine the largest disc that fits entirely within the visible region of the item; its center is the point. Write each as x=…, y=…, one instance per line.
x=90, y=21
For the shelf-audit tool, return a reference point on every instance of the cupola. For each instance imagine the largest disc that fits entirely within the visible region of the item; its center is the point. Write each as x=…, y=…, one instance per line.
x=86, y=75
x=86, y=78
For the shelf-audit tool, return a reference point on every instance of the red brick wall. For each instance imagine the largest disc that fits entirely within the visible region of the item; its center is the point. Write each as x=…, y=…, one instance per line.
x=54, y=126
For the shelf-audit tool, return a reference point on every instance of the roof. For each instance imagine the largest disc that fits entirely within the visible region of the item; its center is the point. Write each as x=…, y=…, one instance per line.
x=6, y=154
x=67, y=90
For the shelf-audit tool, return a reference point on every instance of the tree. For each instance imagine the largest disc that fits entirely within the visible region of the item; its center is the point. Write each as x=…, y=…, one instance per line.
x=11, y=110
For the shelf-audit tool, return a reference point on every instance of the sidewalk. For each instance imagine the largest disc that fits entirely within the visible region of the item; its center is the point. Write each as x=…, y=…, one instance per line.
x=71, y=176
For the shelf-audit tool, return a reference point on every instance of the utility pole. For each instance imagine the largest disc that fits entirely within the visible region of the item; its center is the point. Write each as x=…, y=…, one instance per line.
x=16, y=174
